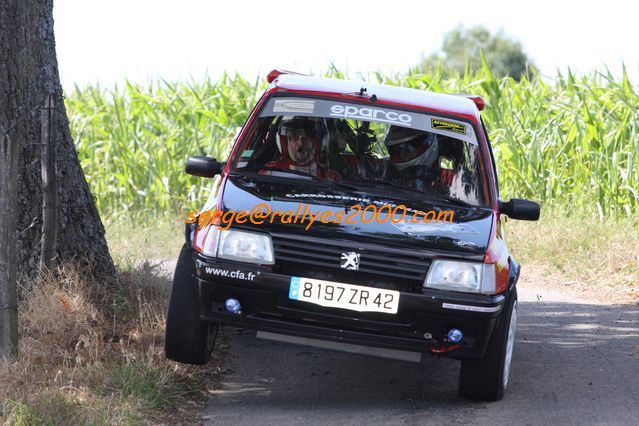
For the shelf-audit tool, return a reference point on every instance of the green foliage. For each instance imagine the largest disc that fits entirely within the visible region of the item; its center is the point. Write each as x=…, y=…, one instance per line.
x=462, y=51
x=150, y=387
x=133, y=142
x=121, y=302
x=570, y=141
x=18, y=413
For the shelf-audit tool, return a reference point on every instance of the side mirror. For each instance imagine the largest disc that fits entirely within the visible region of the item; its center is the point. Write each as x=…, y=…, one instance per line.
x=517, y=208
x=204, y=166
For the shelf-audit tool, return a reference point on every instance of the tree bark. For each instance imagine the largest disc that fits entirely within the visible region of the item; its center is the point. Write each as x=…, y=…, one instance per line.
x=28, y=72
x=49, y=186
x=8, y=219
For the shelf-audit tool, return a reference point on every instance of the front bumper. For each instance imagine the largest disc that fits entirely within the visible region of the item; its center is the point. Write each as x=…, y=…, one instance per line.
x=420, y=325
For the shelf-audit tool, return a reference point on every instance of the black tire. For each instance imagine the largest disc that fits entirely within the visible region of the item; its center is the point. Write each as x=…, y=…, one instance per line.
x=188, y=339
x=485, y=379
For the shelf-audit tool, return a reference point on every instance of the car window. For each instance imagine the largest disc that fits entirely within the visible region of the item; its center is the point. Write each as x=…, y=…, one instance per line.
x=366, y=147
x=492, y=156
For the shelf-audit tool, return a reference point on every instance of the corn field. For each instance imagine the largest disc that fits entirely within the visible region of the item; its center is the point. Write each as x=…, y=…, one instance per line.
x=568, y=141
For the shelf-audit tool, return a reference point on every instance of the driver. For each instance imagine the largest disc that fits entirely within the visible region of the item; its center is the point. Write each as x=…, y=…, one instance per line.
x=299, y=143
x=413, y=157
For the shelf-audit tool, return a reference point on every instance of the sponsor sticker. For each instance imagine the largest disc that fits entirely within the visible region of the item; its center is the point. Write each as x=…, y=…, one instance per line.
x=375, y=114
x=289, y=106
x=448, y=125
x=237, y=274
x=294, y=105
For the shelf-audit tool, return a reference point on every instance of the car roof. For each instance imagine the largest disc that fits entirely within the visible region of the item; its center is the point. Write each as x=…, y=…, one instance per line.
x=393, y=95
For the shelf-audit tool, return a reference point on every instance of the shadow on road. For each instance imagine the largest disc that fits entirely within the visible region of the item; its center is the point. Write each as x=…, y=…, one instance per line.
x=573, y=363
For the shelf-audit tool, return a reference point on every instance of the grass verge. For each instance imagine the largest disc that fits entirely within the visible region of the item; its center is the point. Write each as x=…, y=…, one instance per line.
x=88, y=356
x=581, y=250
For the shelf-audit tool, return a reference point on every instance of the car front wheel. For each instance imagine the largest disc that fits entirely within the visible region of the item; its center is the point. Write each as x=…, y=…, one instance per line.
x=485, y=379
x=188, y=339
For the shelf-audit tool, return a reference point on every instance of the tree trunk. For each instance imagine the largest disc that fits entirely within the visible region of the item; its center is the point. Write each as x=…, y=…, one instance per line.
x=8, y=287
x=29, y=72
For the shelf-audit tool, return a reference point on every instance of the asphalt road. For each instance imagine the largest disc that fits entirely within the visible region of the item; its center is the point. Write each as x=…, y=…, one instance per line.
x=575, y=362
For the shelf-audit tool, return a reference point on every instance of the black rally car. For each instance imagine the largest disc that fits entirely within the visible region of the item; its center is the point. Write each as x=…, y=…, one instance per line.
x=406, y=254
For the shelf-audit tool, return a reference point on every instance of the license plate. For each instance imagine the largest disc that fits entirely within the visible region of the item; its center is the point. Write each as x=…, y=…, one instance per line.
x=344, y=296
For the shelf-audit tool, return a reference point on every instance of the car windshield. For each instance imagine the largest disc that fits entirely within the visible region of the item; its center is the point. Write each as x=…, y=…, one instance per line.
x=365, y=147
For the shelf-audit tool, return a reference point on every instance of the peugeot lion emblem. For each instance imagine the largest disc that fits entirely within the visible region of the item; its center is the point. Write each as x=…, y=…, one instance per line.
x=350, y=261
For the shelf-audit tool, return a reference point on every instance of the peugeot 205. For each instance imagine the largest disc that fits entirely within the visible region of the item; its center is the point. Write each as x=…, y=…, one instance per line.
x=358, y=217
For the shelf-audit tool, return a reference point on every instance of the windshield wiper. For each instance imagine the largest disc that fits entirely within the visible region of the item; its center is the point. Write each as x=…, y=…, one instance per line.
x=314, y=178
x=392, y=184
x=428, y=194
x=301, y=174
x=451, y=200
x=292, y=172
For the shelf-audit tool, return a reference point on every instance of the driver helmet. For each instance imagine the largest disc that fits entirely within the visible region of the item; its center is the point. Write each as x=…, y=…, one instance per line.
x=411, y=147
x=297, y=139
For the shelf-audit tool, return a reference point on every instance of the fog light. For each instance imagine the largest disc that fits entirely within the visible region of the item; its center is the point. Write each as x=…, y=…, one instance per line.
x=232, y=305
x=455, y=335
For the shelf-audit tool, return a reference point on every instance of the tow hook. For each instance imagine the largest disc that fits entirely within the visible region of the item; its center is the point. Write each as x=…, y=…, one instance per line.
x=441, y=349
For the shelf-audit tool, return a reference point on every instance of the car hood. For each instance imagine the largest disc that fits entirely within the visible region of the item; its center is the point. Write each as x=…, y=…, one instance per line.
x=467, y=233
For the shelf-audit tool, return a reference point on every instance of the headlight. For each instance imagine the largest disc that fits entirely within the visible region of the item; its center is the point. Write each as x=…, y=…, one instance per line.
x=469, y=277
x=205, y=240
x=245, y=247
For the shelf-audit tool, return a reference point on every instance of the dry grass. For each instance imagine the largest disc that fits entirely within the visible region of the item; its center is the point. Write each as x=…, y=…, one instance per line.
x=581, y=250
x=153, y=239
x=88, y=356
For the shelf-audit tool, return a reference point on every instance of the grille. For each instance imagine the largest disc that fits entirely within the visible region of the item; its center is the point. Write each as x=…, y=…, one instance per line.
x=393, y=266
